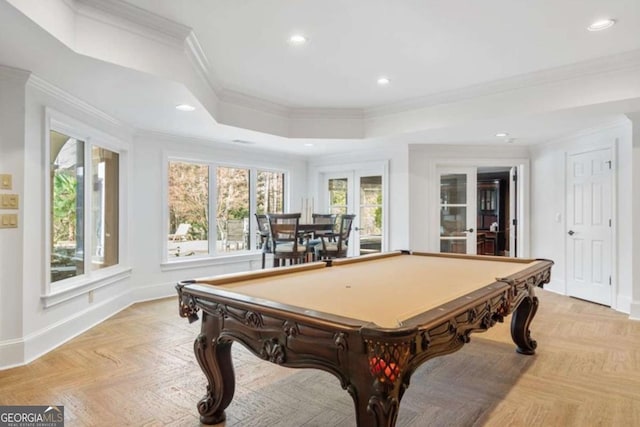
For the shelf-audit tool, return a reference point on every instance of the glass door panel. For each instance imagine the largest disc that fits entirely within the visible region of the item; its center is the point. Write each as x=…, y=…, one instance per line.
x=370, y=227
x=457, y=213
x=359, y=192
x=338, y=195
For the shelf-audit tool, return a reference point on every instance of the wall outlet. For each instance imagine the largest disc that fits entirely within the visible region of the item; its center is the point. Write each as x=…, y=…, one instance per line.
x=8, y=221
x=9, y=201
x=5, y=181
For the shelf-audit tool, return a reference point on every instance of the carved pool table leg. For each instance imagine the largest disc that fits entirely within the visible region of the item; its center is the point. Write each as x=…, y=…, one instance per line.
x=214, y=358
x=376, y=404
x=520, y=322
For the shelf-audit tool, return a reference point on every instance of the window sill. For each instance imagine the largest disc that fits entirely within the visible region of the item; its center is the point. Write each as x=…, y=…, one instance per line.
x=78, y=286
x=184, y=264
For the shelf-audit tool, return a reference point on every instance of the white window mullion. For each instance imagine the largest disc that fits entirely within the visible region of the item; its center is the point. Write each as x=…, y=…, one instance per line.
x=87, y=206
x=213, y=208
x=253, y=206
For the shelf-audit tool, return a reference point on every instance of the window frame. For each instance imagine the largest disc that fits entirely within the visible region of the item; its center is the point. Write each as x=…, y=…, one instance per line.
x=214, y=257
x=56, y=292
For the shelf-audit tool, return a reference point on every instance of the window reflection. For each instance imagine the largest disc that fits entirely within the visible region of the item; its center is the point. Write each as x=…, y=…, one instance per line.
x=67, y=206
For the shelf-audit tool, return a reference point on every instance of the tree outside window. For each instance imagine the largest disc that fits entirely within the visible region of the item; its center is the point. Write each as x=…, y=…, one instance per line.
x=189, y=195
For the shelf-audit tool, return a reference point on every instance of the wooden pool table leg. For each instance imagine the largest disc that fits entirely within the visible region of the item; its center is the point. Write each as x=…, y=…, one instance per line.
x=375, y=404
x=214, y=358
x=520, y=321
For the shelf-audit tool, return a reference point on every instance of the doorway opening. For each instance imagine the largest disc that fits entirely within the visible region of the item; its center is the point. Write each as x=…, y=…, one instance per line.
x=480, y=210
x=494, y=216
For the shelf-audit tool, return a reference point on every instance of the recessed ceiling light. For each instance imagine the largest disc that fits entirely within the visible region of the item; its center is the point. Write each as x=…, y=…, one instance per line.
x=501, y=134
x=383, y=81
x=308, y=144
x=601, y=24
x=185, y=107
x=297, y=39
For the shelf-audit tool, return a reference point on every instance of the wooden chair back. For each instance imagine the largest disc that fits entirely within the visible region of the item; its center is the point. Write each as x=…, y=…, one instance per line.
x=283, y=229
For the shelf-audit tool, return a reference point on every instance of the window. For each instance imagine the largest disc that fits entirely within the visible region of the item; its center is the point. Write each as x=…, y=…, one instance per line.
x=84, y=200
x=232, y=216
x=188, y=209
x=270, y=192
x=237, y=193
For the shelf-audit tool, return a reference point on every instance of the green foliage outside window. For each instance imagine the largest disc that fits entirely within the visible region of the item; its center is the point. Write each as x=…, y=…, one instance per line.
x=64, y=207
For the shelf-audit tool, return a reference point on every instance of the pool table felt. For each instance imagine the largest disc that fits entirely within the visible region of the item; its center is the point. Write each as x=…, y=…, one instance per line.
x=386, y=291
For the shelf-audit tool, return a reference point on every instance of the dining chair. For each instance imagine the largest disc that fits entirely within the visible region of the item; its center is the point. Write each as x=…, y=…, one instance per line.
x=314, y=239
x=283, y=229
x=264, y=236
x=335, y=245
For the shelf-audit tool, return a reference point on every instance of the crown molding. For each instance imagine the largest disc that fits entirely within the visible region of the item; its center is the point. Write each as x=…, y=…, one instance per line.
x=253, y=102
x=327, y=113
x=562, y=140
x=617, y=62
x=54, y=91
x=200, y=62
x=7, y=73
x=213, y=143
x=145, y=22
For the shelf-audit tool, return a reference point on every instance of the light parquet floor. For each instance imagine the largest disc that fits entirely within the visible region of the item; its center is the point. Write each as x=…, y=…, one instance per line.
x=138, y=369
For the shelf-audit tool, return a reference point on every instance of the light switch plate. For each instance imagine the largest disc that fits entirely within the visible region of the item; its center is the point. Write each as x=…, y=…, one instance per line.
x=5, y=181
x=8, y=221
x=9, y=201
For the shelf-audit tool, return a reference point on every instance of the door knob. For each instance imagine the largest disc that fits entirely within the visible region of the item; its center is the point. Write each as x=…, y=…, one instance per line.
x=571, y=233
x=469, y=230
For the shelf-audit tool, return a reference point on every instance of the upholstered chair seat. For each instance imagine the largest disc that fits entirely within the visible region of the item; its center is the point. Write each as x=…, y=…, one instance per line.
x=289, y=247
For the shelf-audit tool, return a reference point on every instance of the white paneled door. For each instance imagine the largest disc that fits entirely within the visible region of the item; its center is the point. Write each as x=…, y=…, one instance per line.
x=589, y=204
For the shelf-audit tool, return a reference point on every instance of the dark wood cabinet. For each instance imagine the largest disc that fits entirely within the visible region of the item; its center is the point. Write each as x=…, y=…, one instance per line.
x=491, y=217
x=488, y=203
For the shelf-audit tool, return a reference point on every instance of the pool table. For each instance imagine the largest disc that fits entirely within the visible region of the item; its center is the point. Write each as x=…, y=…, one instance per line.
x=371, y=321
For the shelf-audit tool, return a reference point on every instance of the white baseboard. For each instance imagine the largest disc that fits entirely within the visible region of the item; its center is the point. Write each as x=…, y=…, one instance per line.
x=151, y=292
x=634, y=310
x=623, y=304
x=11, y=353
x=557, y=286
x=21, y=351
x=43, y=341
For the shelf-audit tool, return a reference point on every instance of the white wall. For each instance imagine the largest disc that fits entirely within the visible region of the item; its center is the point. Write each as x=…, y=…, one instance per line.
x=548, y=199
x=148, y=231
x=12, y=158
x=28, y=328
x=632, y=153
x=46, y=328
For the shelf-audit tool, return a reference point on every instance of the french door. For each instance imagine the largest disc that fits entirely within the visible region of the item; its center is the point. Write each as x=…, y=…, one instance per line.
x=457, y=209
x=589, y=235
x=360, y=192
